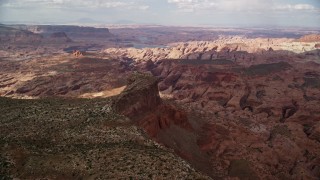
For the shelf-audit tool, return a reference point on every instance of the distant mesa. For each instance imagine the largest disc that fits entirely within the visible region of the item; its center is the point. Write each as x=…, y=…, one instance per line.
x=8, y=34
x=73, y=32
x=76, y=32
x=20, y=35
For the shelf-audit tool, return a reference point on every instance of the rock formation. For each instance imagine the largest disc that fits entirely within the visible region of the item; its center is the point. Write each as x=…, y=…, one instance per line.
x=310, y=38
x=239, y=49
x=141, y=95
x=141, y=102
x=77, y=53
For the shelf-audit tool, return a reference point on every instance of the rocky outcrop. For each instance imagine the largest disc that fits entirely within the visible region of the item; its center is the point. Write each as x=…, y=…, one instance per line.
x=140, y=101
x=77, y=53
x=141, y=95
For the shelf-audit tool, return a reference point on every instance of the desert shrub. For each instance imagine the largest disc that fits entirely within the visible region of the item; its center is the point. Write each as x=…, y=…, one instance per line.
x=4, y=169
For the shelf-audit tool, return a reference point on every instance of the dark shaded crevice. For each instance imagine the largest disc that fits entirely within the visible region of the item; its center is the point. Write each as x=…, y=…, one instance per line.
x=288, y=111
x=244, y=98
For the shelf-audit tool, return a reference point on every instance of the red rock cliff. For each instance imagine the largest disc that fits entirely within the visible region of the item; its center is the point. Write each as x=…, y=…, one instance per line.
x=140, y=101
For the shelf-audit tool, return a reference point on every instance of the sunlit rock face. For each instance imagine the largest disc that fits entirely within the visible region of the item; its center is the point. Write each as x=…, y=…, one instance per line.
x=240, y=49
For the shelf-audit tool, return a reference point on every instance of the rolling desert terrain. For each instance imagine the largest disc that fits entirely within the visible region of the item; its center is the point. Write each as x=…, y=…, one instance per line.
x=159, y=102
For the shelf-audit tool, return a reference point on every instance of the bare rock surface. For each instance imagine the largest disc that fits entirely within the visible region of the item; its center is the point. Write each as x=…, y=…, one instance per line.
x=238, y=49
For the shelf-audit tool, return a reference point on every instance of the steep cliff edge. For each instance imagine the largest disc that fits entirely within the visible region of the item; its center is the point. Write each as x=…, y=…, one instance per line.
x=140, y=101
x=141, y=95
x=11, y=35
x=164, y=122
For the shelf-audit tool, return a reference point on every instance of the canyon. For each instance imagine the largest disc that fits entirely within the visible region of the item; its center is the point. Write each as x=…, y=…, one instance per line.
x=202, y=103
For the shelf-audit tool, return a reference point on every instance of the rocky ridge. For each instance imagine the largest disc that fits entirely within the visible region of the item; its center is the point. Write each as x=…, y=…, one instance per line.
x=141, y=102
x=238, y=49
